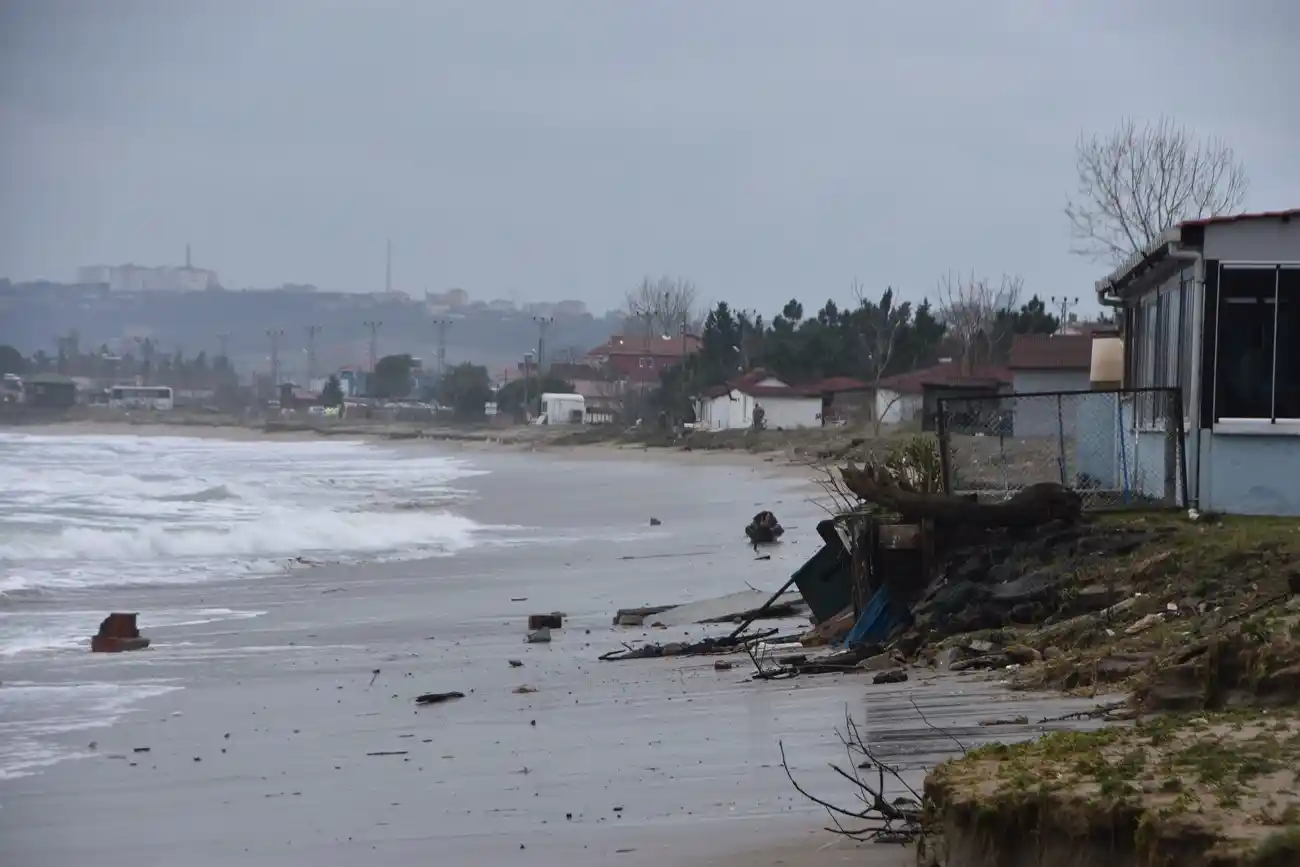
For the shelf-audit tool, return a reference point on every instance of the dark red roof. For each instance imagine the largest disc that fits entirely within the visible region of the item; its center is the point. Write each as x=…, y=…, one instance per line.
x=951, y=373
x=1051, y=352
x=662, y=346
x=749, y=384
x=837, y=384
x=1236, y=218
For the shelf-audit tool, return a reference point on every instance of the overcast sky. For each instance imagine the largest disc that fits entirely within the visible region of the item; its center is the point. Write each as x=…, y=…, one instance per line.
x=565, y=148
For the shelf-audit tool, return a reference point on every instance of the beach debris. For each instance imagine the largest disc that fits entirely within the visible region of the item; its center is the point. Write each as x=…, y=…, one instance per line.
x=389, y=753
x=655, y=522
x=141, y=749
x=518, y=598
x=374, y=674
x=524, y=690
x=1013, y=721
x=763, y=557
x=722, y=665
x=637, y=616
x=554, y=620
x=539, y=636
x=118, y=633
x=895, y=676
x=764, y=529
x=438, y=697
x=725, y=644
x=516, y=663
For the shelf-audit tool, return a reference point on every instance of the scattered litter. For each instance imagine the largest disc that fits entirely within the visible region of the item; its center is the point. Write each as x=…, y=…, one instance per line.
x=764, y=529
x=763, y=557
x=516, y=663
x=655, y=522
x=524, y=690
x=539, y=636
x=1013, y=721
x=389, y=753
x=374, y=674
x=518, y=598
x=141, y=749
x=438, y=697
x=722, y=665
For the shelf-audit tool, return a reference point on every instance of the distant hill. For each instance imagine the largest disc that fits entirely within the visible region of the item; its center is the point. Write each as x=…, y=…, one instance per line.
x=33, y=316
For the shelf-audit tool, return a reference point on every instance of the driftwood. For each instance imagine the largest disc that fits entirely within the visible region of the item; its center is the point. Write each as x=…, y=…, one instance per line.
x=1032, y=506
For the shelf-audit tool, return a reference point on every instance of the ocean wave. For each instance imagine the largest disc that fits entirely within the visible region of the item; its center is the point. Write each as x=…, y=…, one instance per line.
x=285, y=535
x=207, y=495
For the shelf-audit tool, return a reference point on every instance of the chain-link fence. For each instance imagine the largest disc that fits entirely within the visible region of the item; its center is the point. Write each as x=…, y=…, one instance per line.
x=1120, y=449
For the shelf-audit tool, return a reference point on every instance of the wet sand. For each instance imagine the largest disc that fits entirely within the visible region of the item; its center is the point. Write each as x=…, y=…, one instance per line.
x=263, y=755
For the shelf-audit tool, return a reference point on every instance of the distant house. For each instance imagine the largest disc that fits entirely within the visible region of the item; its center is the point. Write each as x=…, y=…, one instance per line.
x=904, y=397
x=1213, y=306
x=49, y=391
x=640, y=360
x=1048, y=363
x=731, y=406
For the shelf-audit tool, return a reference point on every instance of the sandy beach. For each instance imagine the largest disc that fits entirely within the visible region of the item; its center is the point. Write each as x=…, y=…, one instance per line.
x=274, y=741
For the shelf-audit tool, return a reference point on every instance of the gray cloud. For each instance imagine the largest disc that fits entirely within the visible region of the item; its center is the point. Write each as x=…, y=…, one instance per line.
x=567, y=147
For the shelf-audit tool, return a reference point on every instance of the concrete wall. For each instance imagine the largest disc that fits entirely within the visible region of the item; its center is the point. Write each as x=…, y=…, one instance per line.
x=1250, y=474
x=787, y=413
x=895, y=408
x=729, y=412
x=1037, y=416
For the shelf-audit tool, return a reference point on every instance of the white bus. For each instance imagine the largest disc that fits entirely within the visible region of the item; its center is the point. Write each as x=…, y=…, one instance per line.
x=140, y=397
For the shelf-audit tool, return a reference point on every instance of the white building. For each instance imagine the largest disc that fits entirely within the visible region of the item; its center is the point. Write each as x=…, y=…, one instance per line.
x=731, y=406
x=138, y=278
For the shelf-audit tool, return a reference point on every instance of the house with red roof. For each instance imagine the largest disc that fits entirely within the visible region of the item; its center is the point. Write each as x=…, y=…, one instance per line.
x=1212, y=306
x=786, y=406
x=639, y=360
x=908, y=397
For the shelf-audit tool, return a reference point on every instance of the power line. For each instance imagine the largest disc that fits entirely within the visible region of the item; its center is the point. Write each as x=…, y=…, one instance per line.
x=442, y=325
x=373, y=325
x=543, y=323
x=275, y=334
x=1065, y=303
x=312, y=331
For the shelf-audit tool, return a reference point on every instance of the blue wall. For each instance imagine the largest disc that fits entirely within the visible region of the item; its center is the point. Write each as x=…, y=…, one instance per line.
x=1250, y=474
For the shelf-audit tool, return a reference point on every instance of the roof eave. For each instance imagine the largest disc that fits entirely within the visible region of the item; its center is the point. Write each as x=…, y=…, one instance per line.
x=1134, y=273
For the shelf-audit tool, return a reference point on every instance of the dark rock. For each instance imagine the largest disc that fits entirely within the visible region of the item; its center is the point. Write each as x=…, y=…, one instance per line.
x=722, y=665
x=895, y=676
x=554, y=620
x=1293, y=582
x=1120, y=666
x=117, y=633
x=655, y=522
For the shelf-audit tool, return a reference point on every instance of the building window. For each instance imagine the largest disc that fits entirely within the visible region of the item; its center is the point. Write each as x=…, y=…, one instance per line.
x=647, y=361
x=1257, y=369
x=1161, y=357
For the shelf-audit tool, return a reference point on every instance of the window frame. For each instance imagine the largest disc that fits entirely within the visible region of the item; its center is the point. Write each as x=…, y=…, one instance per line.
x=1272, y=426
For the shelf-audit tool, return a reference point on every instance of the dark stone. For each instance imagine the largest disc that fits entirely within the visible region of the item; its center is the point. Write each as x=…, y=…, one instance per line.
x=118, y=633
x=554, y=620
x=895, y=676
x=1293, y=582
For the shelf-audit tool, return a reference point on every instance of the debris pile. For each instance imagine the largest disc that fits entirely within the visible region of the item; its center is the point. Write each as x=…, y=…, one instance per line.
x=764, y=529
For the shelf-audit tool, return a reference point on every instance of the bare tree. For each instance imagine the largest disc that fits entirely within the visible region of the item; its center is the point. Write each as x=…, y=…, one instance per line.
x=662, y=306
x=1139, y=181
x=976, y=312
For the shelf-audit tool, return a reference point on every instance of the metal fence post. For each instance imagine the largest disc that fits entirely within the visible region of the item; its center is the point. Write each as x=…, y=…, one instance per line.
x=1060, y=440
x=1180, y=431
x=945, y=451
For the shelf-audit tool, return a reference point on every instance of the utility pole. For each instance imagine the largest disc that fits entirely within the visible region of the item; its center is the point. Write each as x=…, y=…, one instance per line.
x=1065, y=303
x=388, y=268
x=442, y=325
x=275, y=334
x=223, y=345
x=312, y=331
x=373, y=325
x=543, y=323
